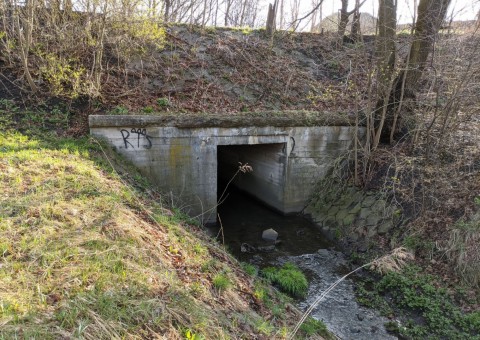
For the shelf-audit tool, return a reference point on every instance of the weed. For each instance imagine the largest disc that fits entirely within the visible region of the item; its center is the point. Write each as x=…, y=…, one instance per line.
x=312, y=326
x=250, y=269
x=8, y=109
x=190, y=335
x=197, y=289
x=418, y=244
x=289, y=279
x=392, y=327
x=65, y=76
x=464, y=252
x=422, y=300
x=163, y=102
x=118, y=110
x=221, y=282
x=210, y=29
x=148, y=109
x=209, y=265
x=265, y=327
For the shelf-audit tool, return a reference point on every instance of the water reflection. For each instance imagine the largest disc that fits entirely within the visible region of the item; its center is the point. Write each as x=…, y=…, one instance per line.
x=244, y=219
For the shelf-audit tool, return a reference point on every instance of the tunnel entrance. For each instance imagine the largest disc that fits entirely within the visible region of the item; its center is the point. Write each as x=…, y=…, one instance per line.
x=265, y=182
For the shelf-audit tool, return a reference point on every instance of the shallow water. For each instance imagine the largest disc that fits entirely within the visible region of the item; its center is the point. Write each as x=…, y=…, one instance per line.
x=243, y=219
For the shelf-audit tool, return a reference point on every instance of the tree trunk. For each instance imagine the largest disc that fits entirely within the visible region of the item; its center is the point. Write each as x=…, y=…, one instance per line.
x=343, y=22
x=355, y=34
x=271, y=17
x=25, y=35
x=431, y=14
x=385, y=45
x=282, y=10
x=168, y=7
x=227, y=11
x=314, y=17
x=386, y=53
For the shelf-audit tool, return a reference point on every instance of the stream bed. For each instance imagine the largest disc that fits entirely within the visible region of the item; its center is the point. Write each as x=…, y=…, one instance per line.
x=243, y=220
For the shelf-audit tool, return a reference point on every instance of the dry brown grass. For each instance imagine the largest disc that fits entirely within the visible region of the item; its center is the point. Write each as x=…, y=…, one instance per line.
x=464, y=251
x=393, y=262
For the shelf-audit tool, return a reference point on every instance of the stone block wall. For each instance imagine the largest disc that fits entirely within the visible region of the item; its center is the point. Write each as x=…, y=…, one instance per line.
x=352, y=214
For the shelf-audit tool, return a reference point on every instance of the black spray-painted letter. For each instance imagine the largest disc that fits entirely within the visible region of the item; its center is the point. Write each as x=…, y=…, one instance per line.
x=140, y=132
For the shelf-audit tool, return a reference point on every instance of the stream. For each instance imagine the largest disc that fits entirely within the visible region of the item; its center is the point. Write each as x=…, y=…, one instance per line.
x=243, y=220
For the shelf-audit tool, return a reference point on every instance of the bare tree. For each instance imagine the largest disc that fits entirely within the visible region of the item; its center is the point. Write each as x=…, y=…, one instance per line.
x=294, y=10
x=343, y=22
x=431, y=14
x=386, y=54
x=317, y=13
x=282, y=14
x=355, y=33
x=345, y=15
x=271, y=18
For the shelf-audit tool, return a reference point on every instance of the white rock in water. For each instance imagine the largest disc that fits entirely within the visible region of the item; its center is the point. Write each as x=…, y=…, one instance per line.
x=270, y=235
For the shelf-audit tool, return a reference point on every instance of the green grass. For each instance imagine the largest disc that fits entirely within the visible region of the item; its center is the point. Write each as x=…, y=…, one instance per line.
x=221, y=282
x=250, y=269
x=289, y=279
x=312, y=326
x=87, y=253
x=70, y=254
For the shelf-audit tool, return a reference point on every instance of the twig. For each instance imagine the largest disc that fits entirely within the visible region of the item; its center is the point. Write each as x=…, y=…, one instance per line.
x=221, y=230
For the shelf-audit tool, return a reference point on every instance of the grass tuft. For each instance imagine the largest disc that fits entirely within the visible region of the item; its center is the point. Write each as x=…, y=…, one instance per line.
x=221, y=282
x=312, y=326
x=289, y=279
x=464, y=252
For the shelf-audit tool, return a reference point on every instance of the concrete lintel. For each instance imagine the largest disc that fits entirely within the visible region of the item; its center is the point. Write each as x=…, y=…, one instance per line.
x=257, y=119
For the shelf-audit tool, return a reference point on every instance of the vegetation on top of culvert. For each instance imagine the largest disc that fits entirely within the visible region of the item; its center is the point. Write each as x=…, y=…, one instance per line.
x=89, y=250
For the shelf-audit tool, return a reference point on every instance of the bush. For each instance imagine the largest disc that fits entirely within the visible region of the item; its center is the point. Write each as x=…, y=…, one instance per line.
x=288, y=278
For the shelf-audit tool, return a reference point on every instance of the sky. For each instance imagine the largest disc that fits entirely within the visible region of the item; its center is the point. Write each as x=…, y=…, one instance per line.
x=460, y=9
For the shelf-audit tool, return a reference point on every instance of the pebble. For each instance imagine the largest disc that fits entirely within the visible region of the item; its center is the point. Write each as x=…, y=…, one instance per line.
x=355, y=330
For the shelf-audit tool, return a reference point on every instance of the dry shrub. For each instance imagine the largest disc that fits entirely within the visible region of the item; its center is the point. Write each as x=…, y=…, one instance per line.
x=394, y=261
x=463, y=250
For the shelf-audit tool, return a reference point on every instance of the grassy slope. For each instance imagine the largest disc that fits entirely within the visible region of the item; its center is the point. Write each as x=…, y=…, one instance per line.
x=87, y=252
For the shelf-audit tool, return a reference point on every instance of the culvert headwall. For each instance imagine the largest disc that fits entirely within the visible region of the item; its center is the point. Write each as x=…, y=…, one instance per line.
x=183, y=159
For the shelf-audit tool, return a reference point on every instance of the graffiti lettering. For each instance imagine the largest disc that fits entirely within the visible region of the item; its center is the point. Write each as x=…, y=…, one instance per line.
x=125, y=135
x=141, y=134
